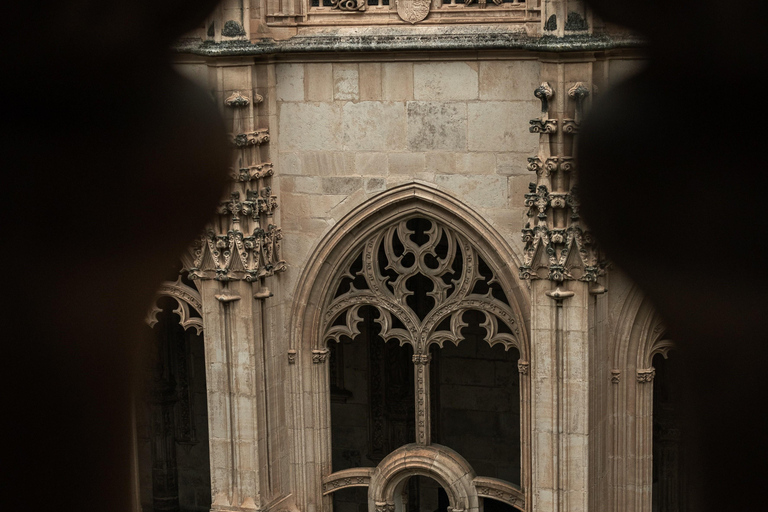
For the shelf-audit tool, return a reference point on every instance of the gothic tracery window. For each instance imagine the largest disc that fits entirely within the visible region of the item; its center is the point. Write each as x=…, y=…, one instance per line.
x=408, y=289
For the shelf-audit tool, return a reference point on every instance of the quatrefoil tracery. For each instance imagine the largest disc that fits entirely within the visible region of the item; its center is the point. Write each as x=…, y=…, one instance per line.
x=421, y=277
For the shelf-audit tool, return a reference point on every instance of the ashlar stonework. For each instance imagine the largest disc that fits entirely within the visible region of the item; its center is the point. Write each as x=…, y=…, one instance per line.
x=398, y=288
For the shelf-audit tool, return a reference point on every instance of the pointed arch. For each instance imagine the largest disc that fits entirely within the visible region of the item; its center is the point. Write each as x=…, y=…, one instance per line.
x=409, y=200
x=310, y=315
x=186, y=297
x=641, y=334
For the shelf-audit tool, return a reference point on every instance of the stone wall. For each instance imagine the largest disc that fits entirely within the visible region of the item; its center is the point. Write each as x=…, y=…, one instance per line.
x=349, y=130
x=347, y=126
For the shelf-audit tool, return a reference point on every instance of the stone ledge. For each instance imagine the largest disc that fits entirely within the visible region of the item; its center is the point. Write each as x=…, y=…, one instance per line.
x=369, y=42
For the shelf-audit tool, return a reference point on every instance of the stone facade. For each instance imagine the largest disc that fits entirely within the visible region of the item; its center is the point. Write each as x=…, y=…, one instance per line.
x=406, y=190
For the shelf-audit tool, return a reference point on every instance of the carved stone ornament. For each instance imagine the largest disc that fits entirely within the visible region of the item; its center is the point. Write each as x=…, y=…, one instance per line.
x=421, y=359
x=251, y=248
x=254, y=172
x=570, y=126
x=292, y=356
x=237, y=100
x=420, y=277
x=186, y=297
x=615, y=376
x=580, y=93
x=392, y=258
x=482, y=3
x=319, y=356
x=560, y=250
x=412, y=11
x=523, y=367
x=255, y=138
x=352, y=477
x=646, y=375
x=349, y=5
x=548, y=126
x=544, y=92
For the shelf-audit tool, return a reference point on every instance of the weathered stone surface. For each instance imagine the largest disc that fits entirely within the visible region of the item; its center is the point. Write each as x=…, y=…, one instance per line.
x=508, y=80
x=441, y=162
x=510, y=164
x=343, y=185
x=290, y=163
x=394, y=39
x=345, y=82
x=397, y=81
x=487, y=191
x=326, y=163
x=310, y=126
x=307, y=185
x=289, y=84
x=318, y=82
x=371, y=164
x=436, y=125
x=476, y=163
x=518, y=187
x=445, y=81
x=406, y=163
x=495, y=126
x=370, y=81
x=374, y=185
x=374, y=126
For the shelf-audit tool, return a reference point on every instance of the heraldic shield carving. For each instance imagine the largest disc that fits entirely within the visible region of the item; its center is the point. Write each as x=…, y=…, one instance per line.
x=412, y=11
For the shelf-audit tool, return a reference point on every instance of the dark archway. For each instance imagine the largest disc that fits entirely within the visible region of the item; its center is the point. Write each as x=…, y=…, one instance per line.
x=172, y=415
x=668, y=482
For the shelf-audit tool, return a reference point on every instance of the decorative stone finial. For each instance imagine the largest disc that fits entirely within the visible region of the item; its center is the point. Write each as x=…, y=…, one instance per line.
x=544, y=92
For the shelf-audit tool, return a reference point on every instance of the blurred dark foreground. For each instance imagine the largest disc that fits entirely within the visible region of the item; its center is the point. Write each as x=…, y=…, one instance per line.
x=113, y=163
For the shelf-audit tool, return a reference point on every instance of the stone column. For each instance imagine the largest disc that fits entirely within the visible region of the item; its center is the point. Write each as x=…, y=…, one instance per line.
x=232, y=323
x=234, y=259
x=561, y=263
x=423, y=409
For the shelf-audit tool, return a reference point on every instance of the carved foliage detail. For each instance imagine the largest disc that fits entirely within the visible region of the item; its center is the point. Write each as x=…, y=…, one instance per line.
x=646, y=374
x=421, y=277
x=558, y=249
x=252, y=246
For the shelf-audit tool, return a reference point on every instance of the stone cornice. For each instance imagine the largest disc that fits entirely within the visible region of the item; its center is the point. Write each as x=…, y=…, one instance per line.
x=403, y=42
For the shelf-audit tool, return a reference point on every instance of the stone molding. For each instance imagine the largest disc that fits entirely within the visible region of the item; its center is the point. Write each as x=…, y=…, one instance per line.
x=186, y=297
x=438, y=462
x=500, y=490
x=442, y=464
x=354, y=477
x=511, y=40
